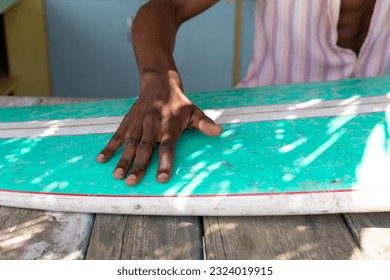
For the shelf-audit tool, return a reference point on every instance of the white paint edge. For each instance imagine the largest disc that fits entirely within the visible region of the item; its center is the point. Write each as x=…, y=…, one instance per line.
x=311, y=109
x=60, y=123
x=274, y=204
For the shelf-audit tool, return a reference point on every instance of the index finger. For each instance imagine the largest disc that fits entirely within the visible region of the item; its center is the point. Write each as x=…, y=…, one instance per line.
x=113, y=145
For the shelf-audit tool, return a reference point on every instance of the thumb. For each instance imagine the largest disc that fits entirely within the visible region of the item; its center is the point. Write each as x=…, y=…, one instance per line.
x=205, y=124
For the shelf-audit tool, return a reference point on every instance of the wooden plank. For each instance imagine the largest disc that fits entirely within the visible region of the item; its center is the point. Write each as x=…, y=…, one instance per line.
x=145, y=237
x=28, y=234
x=372, y=232
x=279, y=238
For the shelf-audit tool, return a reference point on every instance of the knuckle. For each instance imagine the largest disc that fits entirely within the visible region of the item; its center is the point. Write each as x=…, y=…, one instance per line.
x=139, y=167
x=145, y=145
x=168, y=145
x=117, y=137
x=165, y=164
x=131, y=142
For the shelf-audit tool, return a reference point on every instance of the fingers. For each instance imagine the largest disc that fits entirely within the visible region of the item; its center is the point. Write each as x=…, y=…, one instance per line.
x=128, y=154
x=165, y=165
x=124, y=163
x=167, y=153
x=144, y=152
x=205, y=124
x=142, y=136
x=143, y=155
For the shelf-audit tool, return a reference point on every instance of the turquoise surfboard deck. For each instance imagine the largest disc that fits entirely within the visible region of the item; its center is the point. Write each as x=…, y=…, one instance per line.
x=289, y=166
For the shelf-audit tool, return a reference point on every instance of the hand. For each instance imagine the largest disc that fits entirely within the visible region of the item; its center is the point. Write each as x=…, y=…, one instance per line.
x=159, y=116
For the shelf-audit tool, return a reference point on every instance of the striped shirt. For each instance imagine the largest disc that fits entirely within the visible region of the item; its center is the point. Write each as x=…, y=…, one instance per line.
x=296, y=41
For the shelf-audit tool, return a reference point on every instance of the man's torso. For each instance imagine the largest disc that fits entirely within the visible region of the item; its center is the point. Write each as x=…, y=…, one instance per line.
x=354, y=22
x=318, y=40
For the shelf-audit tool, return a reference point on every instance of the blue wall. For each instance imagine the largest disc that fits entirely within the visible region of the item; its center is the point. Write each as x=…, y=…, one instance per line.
x=91, y=53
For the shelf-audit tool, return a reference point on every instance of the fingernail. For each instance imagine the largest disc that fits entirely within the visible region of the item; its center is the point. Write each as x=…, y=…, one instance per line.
x=100, y=157
x=162, y=177
x=131, y=180
x=119, y=173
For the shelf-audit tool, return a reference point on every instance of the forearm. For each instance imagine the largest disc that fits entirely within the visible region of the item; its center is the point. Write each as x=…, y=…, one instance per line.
x=154, y=32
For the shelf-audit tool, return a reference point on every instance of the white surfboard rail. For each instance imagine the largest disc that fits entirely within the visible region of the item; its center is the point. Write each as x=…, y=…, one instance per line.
x=326, y=202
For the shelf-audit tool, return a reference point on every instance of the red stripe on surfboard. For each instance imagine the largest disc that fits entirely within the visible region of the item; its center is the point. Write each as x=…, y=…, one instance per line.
x=172, y=196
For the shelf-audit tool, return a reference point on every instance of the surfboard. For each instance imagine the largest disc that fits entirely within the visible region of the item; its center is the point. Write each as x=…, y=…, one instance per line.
x=310, y=148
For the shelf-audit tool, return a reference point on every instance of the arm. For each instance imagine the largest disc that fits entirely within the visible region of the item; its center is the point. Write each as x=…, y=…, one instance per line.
x=154, y=31
x=162, y=110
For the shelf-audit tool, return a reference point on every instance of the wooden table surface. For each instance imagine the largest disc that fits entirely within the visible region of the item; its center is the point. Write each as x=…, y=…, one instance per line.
x=33, y=234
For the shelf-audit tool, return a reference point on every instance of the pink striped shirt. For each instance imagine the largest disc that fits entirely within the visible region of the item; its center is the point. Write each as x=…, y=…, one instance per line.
x=296, y=41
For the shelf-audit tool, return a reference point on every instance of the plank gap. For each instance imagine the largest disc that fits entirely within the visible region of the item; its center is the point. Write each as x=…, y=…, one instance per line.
x=371, y=231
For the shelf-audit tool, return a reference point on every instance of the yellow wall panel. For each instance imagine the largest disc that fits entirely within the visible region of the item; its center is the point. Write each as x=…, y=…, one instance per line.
x=27, y=48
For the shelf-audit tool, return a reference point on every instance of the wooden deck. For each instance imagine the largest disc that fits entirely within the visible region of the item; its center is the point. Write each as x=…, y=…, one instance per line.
x=32, y=234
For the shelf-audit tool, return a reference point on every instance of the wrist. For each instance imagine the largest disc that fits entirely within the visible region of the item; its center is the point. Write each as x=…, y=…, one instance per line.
x=169, y=78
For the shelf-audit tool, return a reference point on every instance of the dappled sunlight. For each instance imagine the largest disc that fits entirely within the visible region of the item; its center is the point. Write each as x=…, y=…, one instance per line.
x=196, y=168
x=373, y=170
x=338, y=122
x=217, y=227
x=298, y=252
x=376, y=239
x=305, y=161
x=75, y=159
x=279, y=133
x=289, y=147
x=185, y=225
x=291, y=117
x=12, y=242
x=18, y=236
x=27, y=146
x=234, y=149
x=48, y=165
x=307, y=154
x=49, y=131
x=196, y=154
x=214, y=114
x=75, y=255
x=288, y=177
x=173, y=251
x=226, y=133
x=12, y=158
x=38, y=179
x=302, y=105
x=350, y=100
x=197, y=180
x=55, y=185
x=10, y=141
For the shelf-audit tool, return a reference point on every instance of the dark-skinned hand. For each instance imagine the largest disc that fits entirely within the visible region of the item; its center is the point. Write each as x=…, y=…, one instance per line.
x=158, y=117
